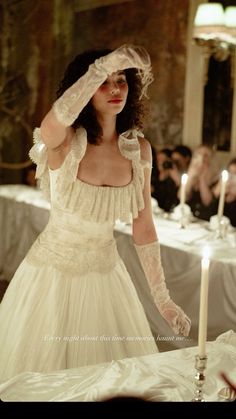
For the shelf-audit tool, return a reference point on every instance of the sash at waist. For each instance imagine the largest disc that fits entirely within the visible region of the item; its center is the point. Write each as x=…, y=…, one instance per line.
x=76, y=258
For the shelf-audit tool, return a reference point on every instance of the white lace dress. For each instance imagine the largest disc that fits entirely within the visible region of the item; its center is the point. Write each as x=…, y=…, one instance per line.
x=71, y=302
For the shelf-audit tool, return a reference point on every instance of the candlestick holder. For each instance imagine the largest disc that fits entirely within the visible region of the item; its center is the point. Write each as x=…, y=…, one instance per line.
x=222, y=229
x=183, y=221
x=220, y=226
x=182, y=214
x=200, y=365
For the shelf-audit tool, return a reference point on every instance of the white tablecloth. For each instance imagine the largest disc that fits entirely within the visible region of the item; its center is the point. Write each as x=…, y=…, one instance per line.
x=23, y=215
x=167, y=376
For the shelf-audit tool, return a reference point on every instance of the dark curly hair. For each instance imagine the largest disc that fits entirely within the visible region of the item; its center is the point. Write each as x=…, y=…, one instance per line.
x=134, y=112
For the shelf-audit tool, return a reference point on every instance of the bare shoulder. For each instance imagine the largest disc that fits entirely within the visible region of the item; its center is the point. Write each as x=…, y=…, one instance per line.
x=145, y=149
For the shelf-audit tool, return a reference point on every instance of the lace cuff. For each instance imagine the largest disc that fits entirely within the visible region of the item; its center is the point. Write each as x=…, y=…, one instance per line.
x=150, y=259
x=75, y=98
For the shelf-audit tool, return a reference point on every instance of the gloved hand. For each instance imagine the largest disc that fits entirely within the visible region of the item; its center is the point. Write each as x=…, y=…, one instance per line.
x=150, y=259
x=124, y=57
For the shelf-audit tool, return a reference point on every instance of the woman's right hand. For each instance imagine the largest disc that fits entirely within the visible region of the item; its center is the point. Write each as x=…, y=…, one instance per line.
x=124, y=57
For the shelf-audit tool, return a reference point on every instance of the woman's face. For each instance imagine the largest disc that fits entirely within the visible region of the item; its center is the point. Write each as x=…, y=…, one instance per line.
x=111, y=96
x=203, y=153
x=232, y=170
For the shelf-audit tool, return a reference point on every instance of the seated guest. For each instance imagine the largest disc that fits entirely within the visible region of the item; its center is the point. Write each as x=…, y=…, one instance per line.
x=181, y=157
x=203, y=173
x=230, y=193
x=164, y=180
x=29, y=175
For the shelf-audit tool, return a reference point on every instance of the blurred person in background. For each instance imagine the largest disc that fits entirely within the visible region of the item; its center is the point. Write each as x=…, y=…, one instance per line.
x=181, y=158
x=29, y=175
x=203, y=174
x=165, y=179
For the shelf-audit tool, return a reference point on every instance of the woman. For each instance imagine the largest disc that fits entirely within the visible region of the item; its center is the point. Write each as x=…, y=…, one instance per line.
x=71, y=301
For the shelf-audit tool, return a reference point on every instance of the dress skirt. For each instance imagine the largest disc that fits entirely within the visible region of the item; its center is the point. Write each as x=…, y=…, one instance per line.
x=52, y=320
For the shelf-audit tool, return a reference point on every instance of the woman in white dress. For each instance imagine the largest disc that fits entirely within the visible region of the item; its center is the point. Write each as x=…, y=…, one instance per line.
x=71, y=302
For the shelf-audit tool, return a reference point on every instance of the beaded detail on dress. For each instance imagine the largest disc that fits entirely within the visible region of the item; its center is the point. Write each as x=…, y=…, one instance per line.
x=91, y=202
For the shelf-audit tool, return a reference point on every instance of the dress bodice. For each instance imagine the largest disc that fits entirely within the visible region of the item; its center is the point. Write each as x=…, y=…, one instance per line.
x=90, y=202
x=79, y=235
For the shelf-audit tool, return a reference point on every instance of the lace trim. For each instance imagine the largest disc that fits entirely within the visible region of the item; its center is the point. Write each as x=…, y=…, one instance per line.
x=98, y=203
x=67, y=174
x=129, y=145
x=77, y=260
x=128, y=56
x=150, y=258
x=38, y=154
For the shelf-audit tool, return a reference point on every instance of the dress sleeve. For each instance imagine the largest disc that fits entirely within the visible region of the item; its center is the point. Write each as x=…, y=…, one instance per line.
x=38, y=155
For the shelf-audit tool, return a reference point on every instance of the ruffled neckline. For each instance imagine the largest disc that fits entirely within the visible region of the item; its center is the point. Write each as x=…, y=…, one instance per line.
x=128, y=145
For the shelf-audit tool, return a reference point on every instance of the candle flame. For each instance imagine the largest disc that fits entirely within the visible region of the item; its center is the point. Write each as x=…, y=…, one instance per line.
x=224, y=175
x=184, y=179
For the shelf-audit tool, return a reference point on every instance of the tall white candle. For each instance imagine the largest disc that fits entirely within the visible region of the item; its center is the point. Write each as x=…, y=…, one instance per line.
x=184, y=179
x=224, y=179
x=202, y=329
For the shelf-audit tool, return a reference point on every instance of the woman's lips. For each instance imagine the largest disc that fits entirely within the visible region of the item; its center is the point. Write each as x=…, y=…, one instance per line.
x=115, y=101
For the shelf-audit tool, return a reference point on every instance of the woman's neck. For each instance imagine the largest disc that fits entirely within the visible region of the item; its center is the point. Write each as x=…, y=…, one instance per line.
x=109, y=133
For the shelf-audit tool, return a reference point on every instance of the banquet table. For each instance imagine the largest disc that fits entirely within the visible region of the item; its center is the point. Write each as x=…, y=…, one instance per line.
x=24, y=213
x=166, y=376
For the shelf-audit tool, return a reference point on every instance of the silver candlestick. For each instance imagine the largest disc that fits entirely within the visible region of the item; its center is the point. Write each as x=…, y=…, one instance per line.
x=200, y=365
x=222, y=229
x=184, y=217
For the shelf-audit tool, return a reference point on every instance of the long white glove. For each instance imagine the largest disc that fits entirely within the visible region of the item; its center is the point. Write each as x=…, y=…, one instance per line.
x=75, y=98
x=150, y=259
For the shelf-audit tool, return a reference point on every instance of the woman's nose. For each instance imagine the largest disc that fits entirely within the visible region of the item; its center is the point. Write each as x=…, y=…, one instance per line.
x=115, y=89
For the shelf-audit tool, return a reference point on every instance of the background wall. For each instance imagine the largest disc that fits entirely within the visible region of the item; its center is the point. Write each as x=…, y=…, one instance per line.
x=39, y=38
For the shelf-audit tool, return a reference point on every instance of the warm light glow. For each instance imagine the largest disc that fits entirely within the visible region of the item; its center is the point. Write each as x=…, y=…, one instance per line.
x=215, y=30
x=206, y=252
x=224, y=175
x=230, y=16
x=230, y=23
x=209, y=14
x=184, y=179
